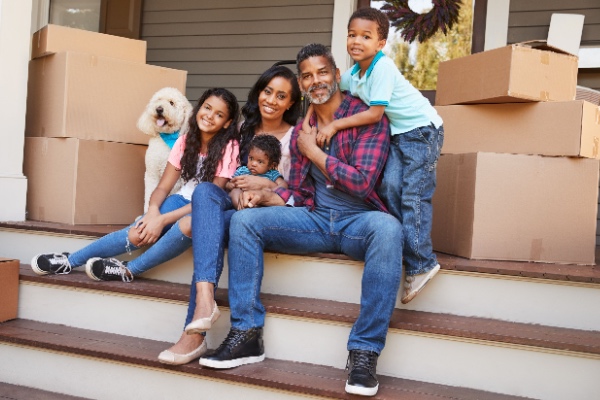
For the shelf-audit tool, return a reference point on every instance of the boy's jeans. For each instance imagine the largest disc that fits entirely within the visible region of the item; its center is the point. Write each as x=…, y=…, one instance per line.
x=408, y=184
x=171, y=244
x=372, y=236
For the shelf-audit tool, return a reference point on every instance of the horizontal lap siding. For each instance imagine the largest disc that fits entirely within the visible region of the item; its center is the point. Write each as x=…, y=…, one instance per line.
x=229, y=43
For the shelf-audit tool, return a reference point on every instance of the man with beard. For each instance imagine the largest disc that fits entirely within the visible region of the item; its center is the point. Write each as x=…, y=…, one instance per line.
x=332, y=206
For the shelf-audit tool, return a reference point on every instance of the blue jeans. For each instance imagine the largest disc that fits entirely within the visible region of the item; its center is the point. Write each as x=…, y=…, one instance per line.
x=363, y=235
x=171, y=243
x=212, y=211
x=407, y=187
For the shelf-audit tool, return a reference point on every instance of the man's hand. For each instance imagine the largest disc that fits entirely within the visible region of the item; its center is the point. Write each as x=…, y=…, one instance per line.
x=307, y=142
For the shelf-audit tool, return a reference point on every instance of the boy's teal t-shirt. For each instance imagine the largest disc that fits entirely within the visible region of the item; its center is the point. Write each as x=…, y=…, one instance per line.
x=384, y=85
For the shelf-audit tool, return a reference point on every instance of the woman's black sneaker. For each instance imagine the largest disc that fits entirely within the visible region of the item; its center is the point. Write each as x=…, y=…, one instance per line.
x=362, y=378
x=238, y=348
x=107, y=269
x=51, y=263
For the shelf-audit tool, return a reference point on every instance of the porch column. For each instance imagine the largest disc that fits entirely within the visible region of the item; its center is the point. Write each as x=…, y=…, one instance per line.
x=342, y=10
x=15, y=34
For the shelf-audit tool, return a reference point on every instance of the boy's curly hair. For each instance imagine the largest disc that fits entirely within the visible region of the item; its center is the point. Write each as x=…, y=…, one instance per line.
x=373, y=14
x=270, y=145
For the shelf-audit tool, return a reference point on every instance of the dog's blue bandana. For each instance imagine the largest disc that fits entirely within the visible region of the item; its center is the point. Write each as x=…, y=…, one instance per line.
x=170, y=138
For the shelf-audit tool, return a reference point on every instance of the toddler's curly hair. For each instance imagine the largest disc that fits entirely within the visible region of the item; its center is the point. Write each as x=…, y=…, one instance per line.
x=270, y=145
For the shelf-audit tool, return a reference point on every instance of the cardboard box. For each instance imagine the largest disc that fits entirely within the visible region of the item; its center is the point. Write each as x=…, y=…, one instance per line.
x=75, y=181
x=55, y=38
x=516, y=207
x=9, y=288
x=516, y=73
x=98, y=98
x=569, y=128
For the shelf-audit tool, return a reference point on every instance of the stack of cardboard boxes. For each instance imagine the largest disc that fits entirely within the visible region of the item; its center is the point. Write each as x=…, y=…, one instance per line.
x=518, y=175
x=84, y=157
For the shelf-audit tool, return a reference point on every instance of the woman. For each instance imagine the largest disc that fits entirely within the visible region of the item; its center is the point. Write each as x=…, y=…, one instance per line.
x=273, y=108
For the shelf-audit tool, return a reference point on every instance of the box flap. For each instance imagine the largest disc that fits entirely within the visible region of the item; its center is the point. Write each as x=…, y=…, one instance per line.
x=543, y=45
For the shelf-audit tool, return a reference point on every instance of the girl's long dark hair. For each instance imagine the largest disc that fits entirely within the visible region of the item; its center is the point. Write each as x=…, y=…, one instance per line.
x=216, y=145
x=251, y=112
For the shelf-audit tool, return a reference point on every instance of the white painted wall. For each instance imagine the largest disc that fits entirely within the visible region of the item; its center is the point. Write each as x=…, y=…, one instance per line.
x=15, y=34
x=342, y=10
x=496, y=24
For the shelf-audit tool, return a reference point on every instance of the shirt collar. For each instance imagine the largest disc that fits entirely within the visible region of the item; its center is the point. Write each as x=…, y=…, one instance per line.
x=356, y=67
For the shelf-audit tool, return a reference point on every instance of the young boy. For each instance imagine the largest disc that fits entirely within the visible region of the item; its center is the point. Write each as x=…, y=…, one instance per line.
x=263, y=158
x=417, y=136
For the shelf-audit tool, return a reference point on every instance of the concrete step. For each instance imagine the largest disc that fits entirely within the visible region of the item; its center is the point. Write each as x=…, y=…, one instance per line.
x=110, y=366
x=480, y=353
x=546, y=294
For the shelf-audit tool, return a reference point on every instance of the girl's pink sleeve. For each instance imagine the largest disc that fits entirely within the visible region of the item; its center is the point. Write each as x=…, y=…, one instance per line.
x=177, y=153
x=229, y=162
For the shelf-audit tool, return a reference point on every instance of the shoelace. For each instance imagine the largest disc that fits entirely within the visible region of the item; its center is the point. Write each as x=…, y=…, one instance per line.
x=363, y=359
x=234, y=337
x=63, y=266
x=126, y=276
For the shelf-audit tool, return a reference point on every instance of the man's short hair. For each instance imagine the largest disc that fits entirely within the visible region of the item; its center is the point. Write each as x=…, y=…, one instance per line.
x=314, y=50
x=373, y=14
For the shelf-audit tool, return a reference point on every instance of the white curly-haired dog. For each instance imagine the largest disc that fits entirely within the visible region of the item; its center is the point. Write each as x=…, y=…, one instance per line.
x=164, y=119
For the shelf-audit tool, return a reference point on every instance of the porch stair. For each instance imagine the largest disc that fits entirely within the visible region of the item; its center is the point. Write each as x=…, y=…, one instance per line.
x=480, y=330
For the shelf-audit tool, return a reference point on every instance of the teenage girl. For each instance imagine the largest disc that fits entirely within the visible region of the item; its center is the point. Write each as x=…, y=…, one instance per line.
x=208, y=153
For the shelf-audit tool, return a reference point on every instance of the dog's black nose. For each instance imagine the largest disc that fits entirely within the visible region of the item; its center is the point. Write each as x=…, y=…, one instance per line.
x=159, y=110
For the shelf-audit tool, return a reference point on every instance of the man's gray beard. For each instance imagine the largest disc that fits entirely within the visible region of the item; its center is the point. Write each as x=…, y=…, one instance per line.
x=324, y=99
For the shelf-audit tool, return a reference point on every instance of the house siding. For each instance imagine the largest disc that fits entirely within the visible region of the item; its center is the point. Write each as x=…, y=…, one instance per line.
x=221, y=43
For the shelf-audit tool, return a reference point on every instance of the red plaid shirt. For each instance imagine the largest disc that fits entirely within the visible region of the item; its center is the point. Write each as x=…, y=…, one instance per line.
x=361, y=155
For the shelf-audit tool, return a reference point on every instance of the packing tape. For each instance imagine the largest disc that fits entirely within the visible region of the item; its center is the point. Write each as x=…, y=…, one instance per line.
x=544, y=95
x=93, y=61
x=545, y=57
x=595, y=147
x=535, y=252
x=598, y=115
x=44, y=148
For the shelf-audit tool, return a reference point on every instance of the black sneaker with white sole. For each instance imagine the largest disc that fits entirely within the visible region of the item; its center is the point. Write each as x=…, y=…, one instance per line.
x=239, y=348
x=362, y=378
x=51, y=263
x=107, y=269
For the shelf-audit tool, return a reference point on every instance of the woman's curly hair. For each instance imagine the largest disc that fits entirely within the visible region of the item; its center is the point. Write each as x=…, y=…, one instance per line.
x=216, y=145
x=251, y=110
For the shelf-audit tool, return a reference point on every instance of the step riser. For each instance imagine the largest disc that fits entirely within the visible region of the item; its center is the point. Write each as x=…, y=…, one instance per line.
x=567, y=305
x=517, y=371
x=98, y=379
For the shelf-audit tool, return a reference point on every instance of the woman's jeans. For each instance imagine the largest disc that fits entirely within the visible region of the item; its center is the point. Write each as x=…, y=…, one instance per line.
x=407, y=188
x=171, y=243
x=211, y=213
x=372, y=236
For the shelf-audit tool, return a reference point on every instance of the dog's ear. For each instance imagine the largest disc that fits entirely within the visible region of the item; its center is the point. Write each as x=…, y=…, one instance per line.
x=187, y=114
x=145, y=123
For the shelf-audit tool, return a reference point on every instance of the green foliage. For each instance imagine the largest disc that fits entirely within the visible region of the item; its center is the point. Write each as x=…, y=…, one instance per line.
x=457, y=43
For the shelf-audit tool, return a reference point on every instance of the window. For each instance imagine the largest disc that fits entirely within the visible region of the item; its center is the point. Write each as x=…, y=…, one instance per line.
x=81, y=14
